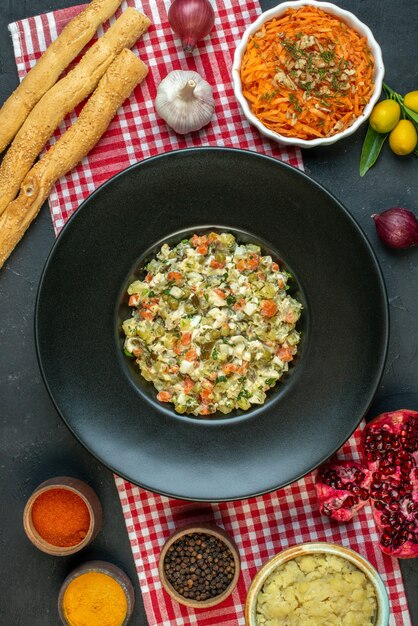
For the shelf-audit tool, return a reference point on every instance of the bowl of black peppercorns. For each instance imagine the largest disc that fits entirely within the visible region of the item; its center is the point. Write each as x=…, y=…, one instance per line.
x=199, y=565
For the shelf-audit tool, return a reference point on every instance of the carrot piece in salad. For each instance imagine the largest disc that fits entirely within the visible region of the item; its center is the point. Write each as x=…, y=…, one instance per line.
x=285, y=354
x=188, y=385
x=176, y=277
x=197, y=241
x=186, y=338
x=191, y=355
x=268, y=308
x=164, y=396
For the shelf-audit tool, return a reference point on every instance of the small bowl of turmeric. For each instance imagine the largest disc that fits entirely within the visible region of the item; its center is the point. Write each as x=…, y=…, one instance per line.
x=62, y=516
x=96, y=593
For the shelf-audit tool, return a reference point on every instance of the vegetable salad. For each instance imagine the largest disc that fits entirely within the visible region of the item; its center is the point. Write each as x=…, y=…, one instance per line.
x=213, y=326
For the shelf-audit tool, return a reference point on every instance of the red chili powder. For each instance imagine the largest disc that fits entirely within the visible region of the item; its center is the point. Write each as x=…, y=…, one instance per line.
x=60, y=517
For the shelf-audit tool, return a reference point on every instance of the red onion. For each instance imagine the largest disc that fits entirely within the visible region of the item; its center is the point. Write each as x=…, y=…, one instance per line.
x=191, y=20
x=397, y=228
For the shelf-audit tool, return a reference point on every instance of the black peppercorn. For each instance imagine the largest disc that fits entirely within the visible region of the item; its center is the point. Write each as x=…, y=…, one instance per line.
x=199, y=566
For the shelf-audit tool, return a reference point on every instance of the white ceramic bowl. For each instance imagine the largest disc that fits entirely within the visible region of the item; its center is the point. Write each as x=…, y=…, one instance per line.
x=382, y=618
x=349, y=19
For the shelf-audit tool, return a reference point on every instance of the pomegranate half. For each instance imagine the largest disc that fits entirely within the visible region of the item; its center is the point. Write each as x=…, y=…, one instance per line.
x=390, y=448
x=342, y=488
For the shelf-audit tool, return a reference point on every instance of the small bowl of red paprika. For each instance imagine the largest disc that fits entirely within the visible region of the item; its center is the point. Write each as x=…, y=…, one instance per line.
x=62, y=516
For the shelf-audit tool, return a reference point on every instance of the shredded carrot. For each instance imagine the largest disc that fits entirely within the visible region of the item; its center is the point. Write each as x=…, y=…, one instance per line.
x=307, y=74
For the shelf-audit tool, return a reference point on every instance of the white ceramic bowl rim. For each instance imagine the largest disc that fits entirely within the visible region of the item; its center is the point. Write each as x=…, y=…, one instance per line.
x=320, y=547
x=354, y=23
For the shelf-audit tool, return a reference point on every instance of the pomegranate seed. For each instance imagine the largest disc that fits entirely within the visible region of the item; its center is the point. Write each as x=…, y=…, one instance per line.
x=386, y=540
x=398, y=542
x=364, y=494
x=394, y=506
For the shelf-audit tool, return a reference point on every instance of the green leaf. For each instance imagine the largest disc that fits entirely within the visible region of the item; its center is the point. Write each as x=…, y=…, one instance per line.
x=389, y=91
x=127, y=353
x=372, y=146
x=411, y=114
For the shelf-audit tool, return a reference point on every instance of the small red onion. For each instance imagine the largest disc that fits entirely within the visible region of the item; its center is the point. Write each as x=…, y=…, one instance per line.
x=191, y=20
x=397, y=227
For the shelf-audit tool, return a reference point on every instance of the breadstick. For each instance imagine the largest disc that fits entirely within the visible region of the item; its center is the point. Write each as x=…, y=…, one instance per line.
x=52, y=63
x=51, y=109
x=125, y=72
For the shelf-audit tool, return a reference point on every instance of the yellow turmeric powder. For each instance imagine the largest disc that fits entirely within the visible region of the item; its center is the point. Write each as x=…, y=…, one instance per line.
x=94, y=599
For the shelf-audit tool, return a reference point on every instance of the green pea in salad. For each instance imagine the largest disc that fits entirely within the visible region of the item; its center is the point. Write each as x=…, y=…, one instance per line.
x=213, y=326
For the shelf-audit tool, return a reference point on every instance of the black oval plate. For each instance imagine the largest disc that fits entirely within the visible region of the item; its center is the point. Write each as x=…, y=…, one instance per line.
x=318, y=407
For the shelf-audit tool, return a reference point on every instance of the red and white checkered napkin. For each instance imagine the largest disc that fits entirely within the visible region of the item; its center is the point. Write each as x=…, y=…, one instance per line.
x=137, y=132
x=260, y=526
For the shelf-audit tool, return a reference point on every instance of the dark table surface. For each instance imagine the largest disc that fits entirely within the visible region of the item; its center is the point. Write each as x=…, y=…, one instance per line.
x=35, y=444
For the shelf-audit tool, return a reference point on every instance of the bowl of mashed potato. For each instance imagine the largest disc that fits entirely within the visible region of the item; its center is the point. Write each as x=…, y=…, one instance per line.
x=317, y=583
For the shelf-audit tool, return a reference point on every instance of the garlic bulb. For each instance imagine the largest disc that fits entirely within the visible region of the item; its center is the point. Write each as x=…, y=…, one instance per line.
x=185, y=101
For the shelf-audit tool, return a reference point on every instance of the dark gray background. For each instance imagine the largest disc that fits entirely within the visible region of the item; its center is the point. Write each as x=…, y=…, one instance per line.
x=34, y=443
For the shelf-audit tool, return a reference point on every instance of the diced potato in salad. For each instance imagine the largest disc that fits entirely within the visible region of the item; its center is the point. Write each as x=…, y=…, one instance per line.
x=213, y=327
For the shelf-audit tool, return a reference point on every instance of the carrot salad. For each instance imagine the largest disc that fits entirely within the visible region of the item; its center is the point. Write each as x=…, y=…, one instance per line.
x=307, y=74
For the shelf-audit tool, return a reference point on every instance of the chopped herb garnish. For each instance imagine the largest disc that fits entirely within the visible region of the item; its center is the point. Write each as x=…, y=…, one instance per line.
x=221, y=379
x=328, y=55
x=230, y=299
x=127, y=353
x=270, y=381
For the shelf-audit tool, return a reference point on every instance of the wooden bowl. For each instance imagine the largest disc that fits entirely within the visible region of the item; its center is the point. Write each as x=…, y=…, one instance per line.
x=206, y=529
x=88, y=496
x=103, y=567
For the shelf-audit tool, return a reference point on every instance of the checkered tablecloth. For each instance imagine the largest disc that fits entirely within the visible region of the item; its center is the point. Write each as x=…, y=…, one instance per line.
x=260, y=526
x=137, y=132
